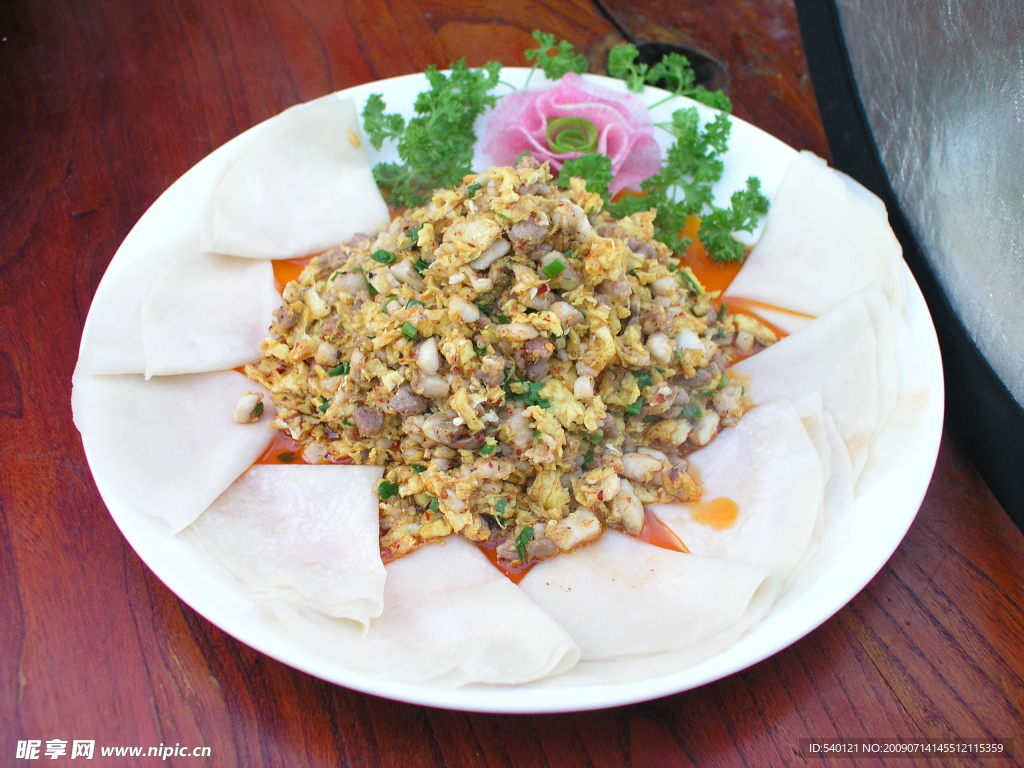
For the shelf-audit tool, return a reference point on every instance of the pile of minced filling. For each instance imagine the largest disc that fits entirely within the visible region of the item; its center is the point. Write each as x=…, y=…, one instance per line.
x=527, y=369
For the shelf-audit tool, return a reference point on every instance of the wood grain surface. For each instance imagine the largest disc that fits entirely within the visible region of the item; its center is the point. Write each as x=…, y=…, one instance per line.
x=104, y=104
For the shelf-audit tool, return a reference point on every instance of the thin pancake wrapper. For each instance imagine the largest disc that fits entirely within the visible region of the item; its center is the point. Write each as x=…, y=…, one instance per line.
x=449, y=618
x=825, y=238
x=838, y=507
x=770, y=468
x=620, y=597
x=152, y=439
x=305, y=535
x=297, y=185
x=207, y=312
x=836, y=356
x=905, y=392
x=112, y=339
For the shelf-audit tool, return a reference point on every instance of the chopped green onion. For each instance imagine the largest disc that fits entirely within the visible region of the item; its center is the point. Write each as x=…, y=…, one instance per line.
x=409, y=330
x=635, y=406
x=525, y=537
x=324, y=406
x=595, y=437
x=553, y=268
x=721, y=385
x=588, y=457
x=414, y=235
x=386, y=490
x=531, y=396
x=691, y=411
x=433, y=505
x=487, y=450
x=369, y=287
x=384, y=257
x=258, y=410
x=472, y=189
x=387, y=302
x=414, y=303
x=721, y=312
x=500, y=506
x=643, y=379
x=692, y=285
x=673, y=267
x=341, y=369
x=347, y=422
x=418, y=467
x=420, y=265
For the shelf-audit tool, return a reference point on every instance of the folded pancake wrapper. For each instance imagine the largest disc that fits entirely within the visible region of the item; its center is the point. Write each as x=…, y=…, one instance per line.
x=825, y=238
x=298, y=535
x=297, y=185
x=156, y=438
x=450, y=618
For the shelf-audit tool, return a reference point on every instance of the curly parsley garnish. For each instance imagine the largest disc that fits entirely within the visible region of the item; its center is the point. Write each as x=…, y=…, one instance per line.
x=717, y=227
x=683, y=188
x=555, y=59
x=673, y=73
x=435, y=146
x=593, y=167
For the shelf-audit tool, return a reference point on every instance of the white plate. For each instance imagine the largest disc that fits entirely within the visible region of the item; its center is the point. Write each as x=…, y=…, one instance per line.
x=883, y=513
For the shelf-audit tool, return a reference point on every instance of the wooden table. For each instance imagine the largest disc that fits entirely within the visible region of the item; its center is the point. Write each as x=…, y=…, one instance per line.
x=105, y=103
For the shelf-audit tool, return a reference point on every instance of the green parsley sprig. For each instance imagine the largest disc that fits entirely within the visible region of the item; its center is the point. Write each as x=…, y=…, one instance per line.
x=594, y=168
x=554, y=59
x=748, y=205
x=673, y=73
x=435, y=146
x=684, y=187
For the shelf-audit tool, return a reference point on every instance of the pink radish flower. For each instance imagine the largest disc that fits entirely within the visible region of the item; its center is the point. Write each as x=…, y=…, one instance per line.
x=575, y=117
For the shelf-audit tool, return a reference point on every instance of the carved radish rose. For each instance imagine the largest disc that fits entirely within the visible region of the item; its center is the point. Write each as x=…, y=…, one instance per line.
x=576, y=116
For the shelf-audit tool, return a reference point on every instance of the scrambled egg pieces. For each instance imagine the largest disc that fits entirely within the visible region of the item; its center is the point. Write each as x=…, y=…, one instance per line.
x=528, y=369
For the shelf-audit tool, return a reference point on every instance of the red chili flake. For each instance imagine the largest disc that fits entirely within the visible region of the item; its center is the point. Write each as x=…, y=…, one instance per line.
x=542, y=289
